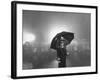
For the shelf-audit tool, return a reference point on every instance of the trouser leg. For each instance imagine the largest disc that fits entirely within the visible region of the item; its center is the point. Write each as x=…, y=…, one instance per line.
x=62, y=62
x=61, y=53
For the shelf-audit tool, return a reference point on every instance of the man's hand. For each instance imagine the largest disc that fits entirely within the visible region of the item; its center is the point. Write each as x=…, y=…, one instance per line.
x=58, y=59
x=68, y=53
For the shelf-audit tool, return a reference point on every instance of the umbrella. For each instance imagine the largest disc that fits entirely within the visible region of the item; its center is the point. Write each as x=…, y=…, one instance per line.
x=67, y=35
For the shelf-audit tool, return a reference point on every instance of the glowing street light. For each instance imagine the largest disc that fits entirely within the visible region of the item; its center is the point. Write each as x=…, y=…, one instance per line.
x=28, y=37
x=57, y=29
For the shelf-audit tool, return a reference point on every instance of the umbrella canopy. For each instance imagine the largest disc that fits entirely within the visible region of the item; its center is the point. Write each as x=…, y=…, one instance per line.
x=67, y=35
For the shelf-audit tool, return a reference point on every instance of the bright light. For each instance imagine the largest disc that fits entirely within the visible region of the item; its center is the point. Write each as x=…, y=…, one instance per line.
x=28, y=37
x=56, y=30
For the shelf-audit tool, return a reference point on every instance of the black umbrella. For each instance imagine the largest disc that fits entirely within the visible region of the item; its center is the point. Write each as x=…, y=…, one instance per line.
x=67, y=35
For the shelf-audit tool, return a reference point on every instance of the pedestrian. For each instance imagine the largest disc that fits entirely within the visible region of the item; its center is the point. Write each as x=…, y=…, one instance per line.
x=61, y=51
x=59, y=43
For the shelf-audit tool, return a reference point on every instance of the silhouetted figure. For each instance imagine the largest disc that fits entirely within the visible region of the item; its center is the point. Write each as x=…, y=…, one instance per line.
x=61, y=51
x=59, y=43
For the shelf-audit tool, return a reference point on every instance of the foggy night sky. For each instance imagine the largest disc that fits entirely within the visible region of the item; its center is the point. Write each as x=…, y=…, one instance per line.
x=41, y=24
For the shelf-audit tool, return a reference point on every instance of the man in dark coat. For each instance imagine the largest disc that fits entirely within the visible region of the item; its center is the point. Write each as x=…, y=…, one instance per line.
x=61, y=51
x=59, y=43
